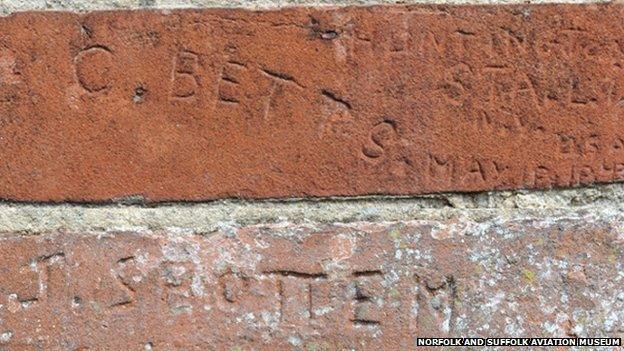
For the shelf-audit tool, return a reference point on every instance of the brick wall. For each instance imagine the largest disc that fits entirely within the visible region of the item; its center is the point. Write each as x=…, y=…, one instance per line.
x=308, y=177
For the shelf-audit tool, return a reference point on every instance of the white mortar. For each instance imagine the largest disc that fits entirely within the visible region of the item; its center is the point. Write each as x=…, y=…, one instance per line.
x=9, y=6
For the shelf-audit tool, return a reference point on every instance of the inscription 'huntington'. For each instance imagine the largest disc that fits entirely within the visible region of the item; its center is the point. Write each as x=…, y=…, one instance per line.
x=310, y=102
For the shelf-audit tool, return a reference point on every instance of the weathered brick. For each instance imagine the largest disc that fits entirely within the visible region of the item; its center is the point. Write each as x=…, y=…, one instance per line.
x=361, y=286
x=205, y=104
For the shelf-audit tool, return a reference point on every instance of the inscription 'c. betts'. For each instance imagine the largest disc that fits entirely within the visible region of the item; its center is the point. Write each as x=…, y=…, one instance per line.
x=197, y=105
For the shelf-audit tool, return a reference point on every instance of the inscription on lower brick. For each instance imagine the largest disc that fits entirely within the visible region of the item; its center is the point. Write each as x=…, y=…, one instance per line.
x=321, y=287
x=195, y=105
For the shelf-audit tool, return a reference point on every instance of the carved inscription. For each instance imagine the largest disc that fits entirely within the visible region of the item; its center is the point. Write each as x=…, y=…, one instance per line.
x=178, y=279
x=296, y=295
x=278, y=81
x=94, y=68
x=50, y=277
x=338, y=118
x=185, y=81
x=233, y=287
x=349, y=101
x=123, y=274
x=380, y=135
x=382, y=283
x=181, y=280
x=230, y=81
x=437, y=296
x=368, y=291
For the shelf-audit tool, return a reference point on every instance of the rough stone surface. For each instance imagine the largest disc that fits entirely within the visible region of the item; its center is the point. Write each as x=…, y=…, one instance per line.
x=205, y=104
x=10, y=6
x=201, y=218
x=315, y=286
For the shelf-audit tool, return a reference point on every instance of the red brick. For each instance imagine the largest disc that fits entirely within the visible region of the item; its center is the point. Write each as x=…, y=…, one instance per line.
x=312, y=287
x=206, y=104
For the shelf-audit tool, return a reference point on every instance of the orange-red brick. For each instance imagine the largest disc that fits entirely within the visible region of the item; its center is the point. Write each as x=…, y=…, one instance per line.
x=204, y=104
x=357, y=286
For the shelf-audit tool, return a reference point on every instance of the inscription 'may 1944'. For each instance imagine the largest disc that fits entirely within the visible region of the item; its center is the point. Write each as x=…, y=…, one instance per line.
x=346, y=101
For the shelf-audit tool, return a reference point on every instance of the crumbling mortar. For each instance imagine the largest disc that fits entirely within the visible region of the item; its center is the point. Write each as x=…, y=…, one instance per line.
x=466, y=212
x=11, y=6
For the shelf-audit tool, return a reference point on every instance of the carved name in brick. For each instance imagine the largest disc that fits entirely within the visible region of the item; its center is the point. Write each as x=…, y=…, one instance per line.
x=358, y=285
x=194, y=105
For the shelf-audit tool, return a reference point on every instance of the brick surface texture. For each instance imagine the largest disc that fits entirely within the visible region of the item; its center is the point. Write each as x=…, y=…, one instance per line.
x=360, y=286
x=100, y=109
x=205, y=104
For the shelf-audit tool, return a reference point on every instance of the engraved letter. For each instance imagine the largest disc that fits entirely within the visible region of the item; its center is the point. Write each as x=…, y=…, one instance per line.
x=93, y=68
x=185, y=81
